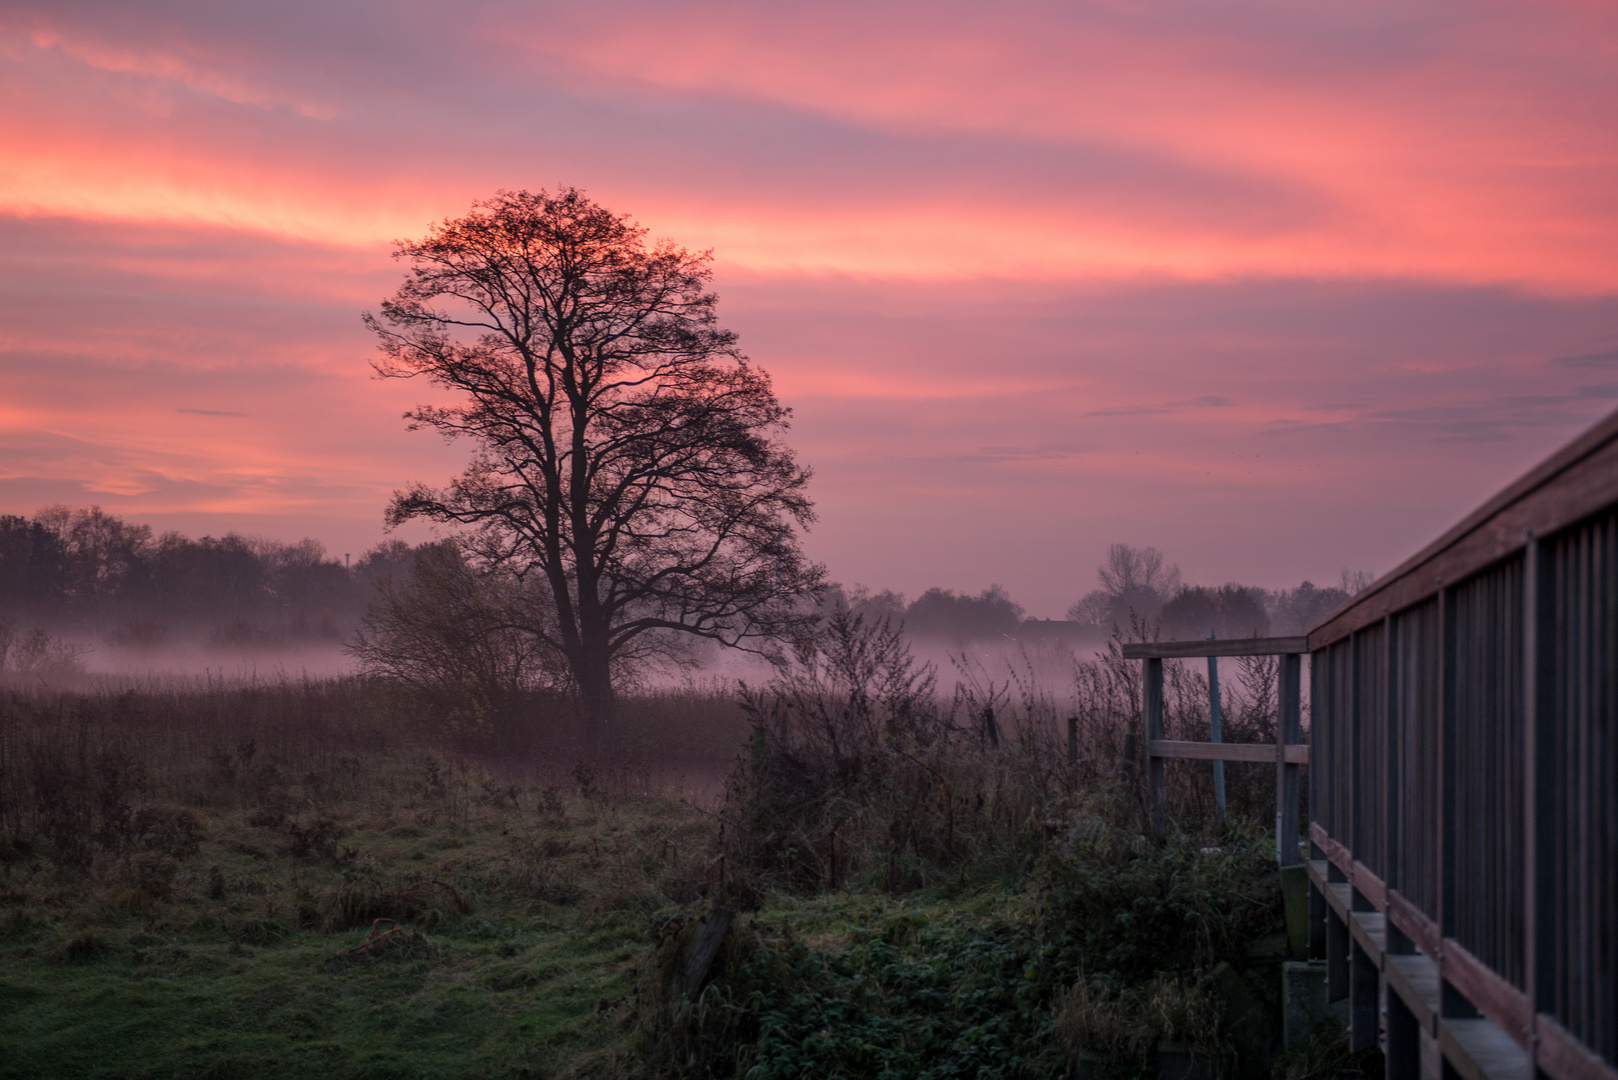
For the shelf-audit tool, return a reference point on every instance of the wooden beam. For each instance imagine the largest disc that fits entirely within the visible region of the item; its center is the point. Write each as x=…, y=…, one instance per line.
x=1287, y=781
x=1491, y=995
x=1183, y=650
x=1564, y=1057
x=1296, y=754
x=1151, y=708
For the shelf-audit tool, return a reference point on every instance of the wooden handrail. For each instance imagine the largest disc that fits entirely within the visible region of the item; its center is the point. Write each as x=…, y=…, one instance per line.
x=1181, y=650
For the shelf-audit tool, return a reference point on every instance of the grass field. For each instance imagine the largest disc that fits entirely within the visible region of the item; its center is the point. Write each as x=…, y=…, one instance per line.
x=320, y=879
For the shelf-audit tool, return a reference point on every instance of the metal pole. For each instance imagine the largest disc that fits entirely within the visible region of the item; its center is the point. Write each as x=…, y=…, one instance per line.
x=1213, y=724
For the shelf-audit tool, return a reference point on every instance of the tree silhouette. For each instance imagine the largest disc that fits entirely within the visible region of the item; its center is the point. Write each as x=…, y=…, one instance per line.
x=624, y=450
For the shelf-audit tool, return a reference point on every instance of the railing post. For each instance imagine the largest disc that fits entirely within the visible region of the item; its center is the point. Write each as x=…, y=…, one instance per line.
x=1214, y=733
x=1151, y=689
x=1289, y=732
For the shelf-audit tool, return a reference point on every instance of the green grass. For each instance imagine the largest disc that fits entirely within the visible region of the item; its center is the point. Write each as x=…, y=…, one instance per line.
x=190, y=886
x=242, y=959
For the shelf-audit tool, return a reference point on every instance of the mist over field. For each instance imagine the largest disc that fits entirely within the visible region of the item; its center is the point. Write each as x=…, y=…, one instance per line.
x=88, y=599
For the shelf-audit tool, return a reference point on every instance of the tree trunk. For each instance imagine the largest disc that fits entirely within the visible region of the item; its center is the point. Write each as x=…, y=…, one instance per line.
x=596, y=697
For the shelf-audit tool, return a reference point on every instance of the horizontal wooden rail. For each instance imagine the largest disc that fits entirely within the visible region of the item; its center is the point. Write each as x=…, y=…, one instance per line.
x=1264, y=753
x=1576, y=481
x=1182, y=650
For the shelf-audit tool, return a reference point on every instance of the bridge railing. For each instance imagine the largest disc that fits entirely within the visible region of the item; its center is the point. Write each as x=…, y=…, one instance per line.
x=1464, y=786
x=1288, y=751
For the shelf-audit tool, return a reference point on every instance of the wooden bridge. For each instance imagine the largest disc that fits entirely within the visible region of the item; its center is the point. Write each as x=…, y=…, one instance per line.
x=1463, y=785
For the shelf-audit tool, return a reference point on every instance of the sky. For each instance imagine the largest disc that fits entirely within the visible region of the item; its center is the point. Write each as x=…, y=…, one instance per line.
x=1279, y=288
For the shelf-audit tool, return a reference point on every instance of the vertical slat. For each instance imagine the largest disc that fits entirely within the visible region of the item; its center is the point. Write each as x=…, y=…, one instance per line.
x=1320, y=755
x=1577, y=812
x=1370, y=730
x=1535, y=647
x=1390, y=757
x=1416, y=750
x=1489, y=737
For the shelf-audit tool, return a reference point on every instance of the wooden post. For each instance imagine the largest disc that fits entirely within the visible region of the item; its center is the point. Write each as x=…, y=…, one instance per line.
x=1214, y=733
x=1073, y=749
x=1151, y=689
x=1287, y=780
x=700, y=952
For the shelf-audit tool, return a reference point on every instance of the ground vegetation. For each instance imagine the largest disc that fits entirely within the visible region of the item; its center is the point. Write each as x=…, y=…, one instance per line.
x=332, y=879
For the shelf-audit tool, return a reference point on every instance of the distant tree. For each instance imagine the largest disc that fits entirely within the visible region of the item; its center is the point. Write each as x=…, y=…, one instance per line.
x=1230, y=611
x=106, y=556
x=1134, y=582
x=861, y=601
x=33, y=566
x=940, y=613
x=625, y=453
x=1294, y=611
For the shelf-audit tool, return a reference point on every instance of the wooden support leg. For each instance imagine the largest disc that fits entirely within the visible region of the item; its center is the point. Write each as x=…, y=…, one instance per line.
x=1404, y=1041
x=1318, y=914
x=1152, y=714
x=1364, y=1006
x=1336, y=958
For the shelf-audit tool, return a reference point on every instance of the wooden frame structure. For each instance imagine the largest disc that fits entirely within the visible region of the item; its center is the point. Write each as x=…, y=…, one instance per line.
x=1464, y=788
x=1288, y=753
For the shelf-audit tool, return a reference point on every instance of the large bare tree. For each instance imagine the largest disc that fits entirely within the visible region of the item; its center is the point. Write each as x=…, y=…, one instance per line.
x=624, y=450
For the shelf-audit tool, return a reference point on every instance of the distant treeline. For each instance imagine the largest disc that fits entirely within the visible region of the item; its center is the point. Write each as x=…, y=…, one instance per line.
x=87, y=573
x=83, y=572
x=1135, y=586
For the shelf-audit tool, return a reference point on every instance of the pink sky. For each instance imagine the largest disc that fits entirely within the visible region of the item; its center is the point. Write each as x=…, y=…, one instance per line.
x=1277, y=288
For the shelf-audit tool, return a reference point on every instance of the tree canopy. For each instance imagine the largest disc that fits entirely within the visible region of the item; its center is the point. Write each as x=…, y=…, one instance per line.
x=625, y=453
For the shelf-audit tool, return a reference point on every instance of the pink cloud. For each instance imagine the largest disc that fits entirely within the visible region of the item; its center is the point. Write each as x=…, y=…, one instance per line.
x=1275, y=289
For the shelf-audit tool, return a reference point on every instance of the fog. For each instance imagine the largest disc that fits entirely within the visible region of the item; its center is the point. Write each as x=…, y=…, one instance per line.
x=88, y=597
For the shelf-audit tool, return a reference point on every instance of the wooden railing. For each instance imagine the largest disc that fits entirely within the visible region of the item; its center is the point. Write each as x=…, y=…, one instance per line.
x=1287, y=752
x=1464, y=787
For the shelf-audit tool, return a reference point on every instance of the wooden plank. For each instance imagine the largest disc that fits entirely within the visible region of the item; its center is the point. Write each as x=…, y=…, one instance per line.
x=1563, y=1057
x=1571, y=484
x=1211, y=751
x=1479, y=1050
x=1288, y=784
x=1370, y=929
x=1338, y=894
x=1415, y=979
x=1151, y=689
x=1495, y=998
x=1190, y=650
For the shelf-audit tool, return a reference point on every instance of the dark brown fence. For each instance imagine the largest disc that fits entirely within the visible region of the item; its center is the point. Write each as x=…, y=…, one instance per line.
x=1464, y=787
